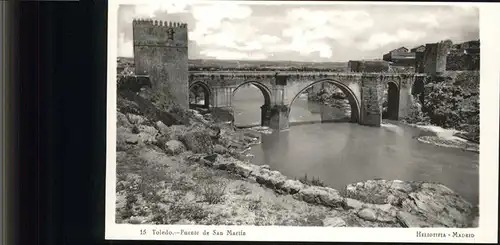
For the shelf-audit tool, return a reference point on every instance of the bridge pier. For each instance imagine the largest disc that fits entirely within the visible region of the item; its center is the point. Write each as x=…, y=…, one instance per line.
x=275, y=116
x=371, y=106
x=221, y=104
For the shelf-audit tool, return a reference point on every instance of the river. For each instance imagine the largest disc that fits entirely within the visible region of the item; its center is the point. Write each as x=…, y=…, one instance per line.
x=341, y=153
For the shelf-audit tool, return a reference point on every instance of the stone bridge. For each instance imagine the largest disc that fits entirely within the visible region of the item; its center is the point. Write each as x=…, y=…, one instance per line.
x=365, y=92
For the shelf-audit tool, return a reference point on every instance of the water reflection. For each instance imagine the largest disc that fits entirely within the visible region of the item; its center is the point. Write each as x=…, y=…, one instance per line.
x=343, y=153
x=272, y=143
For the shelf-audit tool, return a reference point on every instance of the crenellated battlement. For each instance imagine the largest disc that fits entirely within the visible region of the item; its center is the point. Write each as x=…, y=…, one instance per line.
x=148, y=32
x=160, y=23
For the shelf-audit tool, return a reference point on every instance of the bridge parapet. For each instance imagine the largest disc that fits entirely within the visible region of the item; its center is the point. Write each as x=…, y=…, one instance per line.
x=195, y=75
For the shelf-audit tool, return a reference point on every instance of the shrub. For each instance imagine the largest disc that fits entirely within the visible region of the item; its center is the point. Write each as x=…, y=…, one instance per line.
x=415, y=115
x=129, y=206
x=189, y=211
x=213, y=191
x=451, y=106
x=254, y=204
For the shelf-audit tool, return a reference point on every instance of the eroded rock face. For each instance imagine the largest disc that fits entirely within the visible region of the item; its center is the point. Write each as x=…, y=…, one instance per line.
x=418, y=204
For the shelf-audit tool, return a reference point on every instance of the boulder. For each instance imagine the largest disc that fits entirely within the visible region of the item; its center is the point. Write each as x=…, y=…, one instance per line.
x=240, y=168
x=132, y=139
x=377, y=213
x=147, y=134
x=220, y=149
x=334, y=222
x=175, y=132
x=321, y=195
x=271, y=179
x=164, y=129
x=135, y=119
x=198, y=142
x=292, y=186
x=174, y=147
x=368, y=214
x=353, y=203
x=409, y=220
x=122, y=120
x=147, y=130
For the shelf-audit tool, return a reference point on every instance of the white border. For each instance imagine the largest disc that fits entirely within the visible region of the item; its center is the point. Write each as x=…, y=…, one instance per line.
x=488, y=167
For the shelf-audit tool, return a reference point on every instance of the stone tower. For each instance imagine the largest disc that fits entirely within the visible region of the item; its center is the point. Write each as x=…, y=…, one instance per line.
x=160, y=51
x=435, y=57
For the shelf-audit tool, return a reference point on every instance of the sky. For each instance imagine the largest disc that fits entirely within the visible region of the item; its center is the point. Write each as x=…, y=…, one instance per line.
x=310, y=33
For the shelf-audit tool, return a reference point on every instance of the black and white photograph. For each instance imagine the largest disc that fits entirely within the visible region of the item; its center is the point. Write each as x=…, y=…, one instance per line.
x=254, y=114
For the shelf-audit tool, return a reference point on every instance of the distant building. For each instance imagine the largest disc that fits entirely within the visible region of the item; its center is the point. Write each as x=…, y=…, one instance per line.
x=418, y=49
x=464, y=56
x=395, y=52
x=470, y=47
x=400, y=57
x=461, y=56
x=368, y=66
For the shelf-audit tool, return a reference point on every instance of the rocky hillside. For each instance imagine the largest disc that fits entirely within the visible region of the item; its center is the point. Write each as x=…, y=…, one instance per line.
x=176, y=166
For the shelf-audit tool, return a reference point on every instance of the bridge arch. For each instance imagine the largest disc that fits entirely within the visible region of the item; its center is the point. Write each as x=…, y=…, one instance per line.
x=266, y=92
x=354, y=102
x=207, y=92
x=393, y=91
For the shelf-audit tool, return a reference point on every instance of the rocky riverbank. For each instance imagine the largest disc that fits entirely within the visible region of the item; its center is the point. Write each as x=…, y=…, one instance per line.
x=442, y=137
x=194, y=173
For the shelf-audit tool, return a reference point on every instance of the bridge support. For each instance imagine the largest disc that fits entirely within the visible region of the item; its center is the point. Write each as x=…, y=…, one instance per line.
x=275, y=116
x=221, y=101
x=371, y=103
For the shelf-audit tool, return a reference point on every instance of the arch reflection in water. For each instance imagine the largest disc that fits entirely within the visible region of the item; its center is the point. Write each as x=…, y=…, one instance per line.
x=322, y=101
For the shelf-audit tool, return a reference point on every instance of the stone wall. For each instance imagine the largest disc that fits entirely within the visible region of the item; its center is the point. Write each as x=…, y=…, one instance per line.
x=160, y=51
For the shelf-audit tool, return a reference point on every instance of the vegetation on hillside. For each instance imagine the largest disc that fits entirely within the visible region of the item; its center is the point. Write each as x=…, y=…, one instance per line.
x=450, y=105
